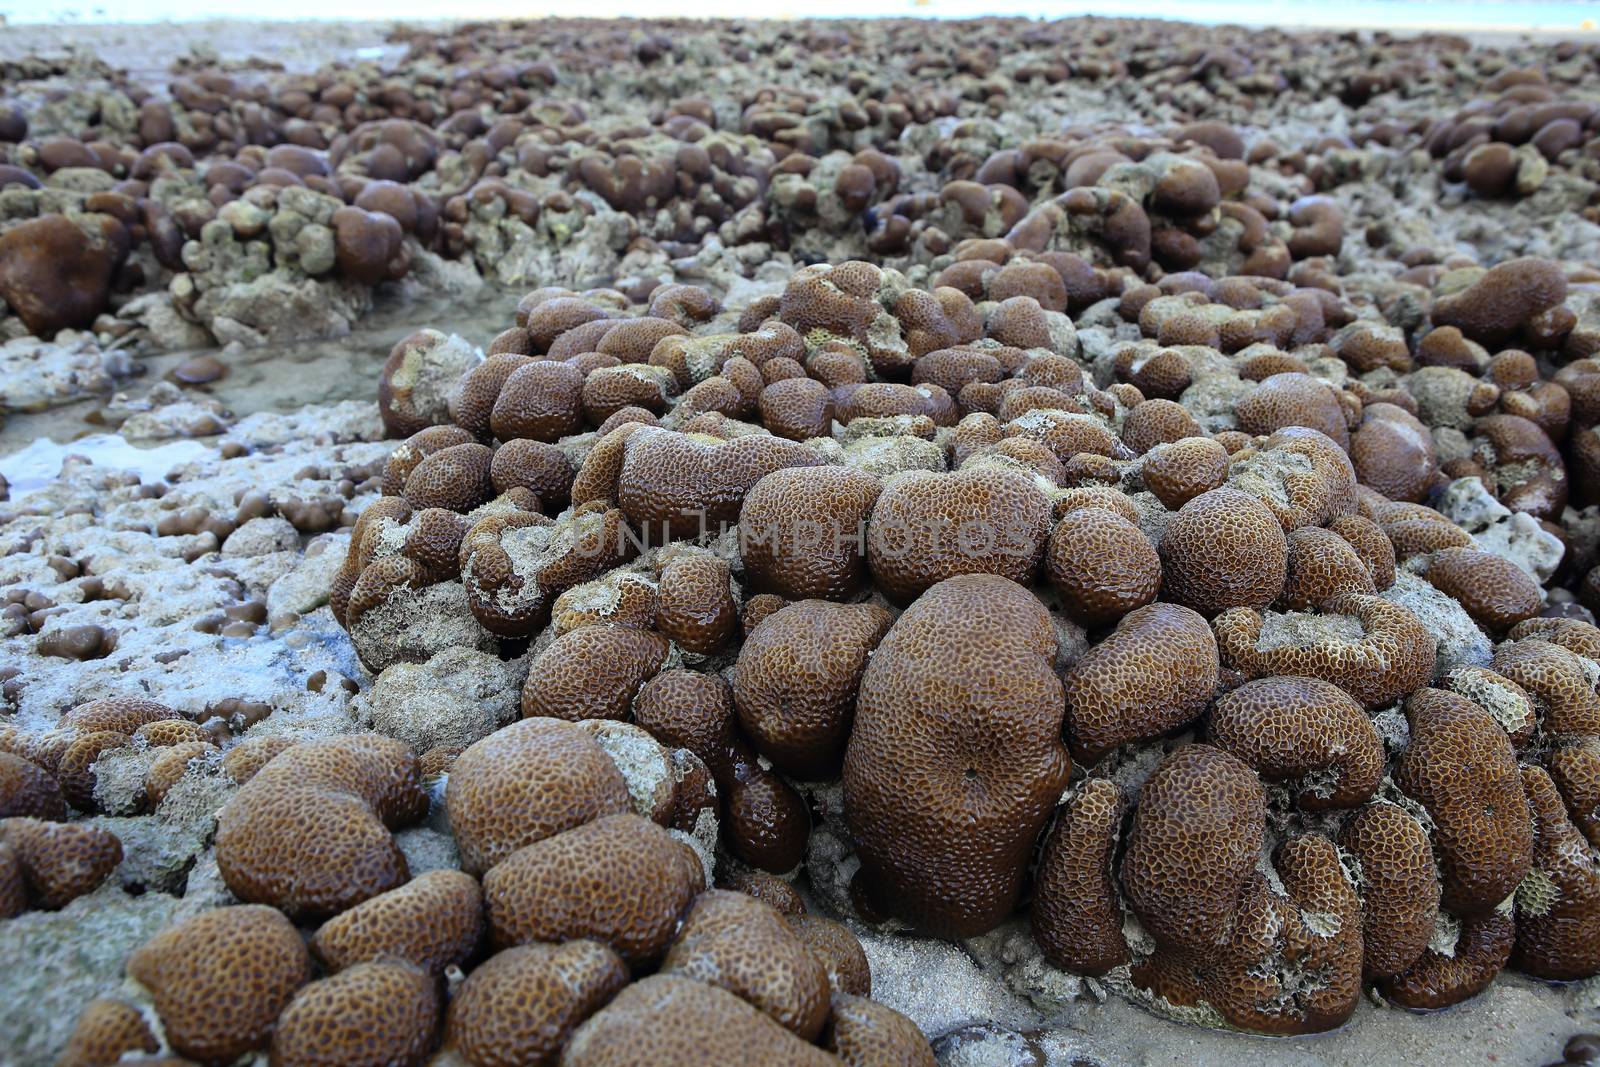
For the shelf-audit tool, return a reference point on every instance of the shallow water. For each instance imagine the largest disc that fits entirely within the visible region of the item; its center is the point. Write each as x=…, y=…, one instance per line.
x=36, y=466
x=1545, y=15
x=286, y=377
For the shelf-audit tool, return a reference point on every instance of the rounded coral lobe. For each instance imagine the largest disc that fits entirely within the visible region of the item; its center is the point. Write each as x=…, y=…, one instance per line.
x=796, y=680
x=1077, y=911
x=1461, y=768
x=1102, y=565
x=1223, y=550
x=927, y=527
x=1305, y=731
x=193, y=966
x=522, y=1004
x=960, y=698
x=527, y=782
x=1152, y=673
x=802, y=531
x=565, y=887
x=311, y=831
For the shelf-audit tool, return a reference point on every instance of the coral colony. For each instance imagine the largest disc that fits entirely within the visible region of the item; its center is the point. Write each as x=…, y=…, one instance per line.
x=1096, y=511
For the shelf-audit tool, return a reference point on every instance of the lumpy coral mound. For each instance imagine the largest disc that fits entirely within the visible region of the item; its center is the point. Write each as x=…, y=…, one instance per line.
x=1156, y=554
x=943, y=600
x=956, y=756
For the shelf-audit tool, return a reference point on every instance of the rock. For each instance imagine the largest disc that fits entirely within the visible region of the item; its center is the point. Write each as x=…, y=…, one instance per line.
x=36, y=374
x=246, y=218
x=414, y=628
x=176, y=418
x=1461, y=643
x=936, y=984
x=199, y=370
x=56, y=961
x=315, y=246
x=259, y=537
x=1516, y=536
x=305, y=588
x=427, y=849
x=279, y=307
x=432, y=272
x=167, y=330
x=314, y=424
x=455, y=698
x=155, y=855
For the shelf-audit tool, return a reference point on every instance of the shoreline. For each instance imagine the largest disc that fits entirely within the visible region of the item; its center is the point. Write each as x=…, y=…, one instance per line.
x=304, y=43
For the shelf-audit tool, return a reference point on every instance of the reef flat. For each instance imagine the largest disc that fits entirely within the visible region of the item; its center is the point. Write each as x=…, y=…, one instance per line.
x=801, y=542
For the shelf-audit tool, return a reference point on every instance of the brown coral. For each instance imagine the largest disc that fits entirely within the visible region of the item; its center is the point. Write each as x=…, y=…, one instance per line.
x=671, y=1021
x=60, y=862
x=28, y=789
x=1077, y=912
x=247, y=956
x=1224, y=549
x=1153, y=673
x=765, y=822
x=1374, y=650
x=1460, y=767
x=1197, y=832
x=1322, y=565
x=1399, y=886
x=1302, y=728
x=1496, y=592
x=1558, y=680
x=379, y=1014
x=1558, y=906
x=1181, y=470
x=1575, y=769
x=434, y=920
x=521, y=1005
x=1282, y=958
x=592, y=673
x=1293, y=399
x=620, y=880
x=795, y=682
x=802, y=531
x=842, y=956
x=1492, y=308
x=695, y=607
x=1440, y=979
x=927, y=527
x=106, y=1030
x=864, y=1033
x=524, y=783
x=961, y=699
x=1394, y=453
x=746, y=947
x=310, y=832
x=514, y=565
x=676, y=485
x=1102, y=565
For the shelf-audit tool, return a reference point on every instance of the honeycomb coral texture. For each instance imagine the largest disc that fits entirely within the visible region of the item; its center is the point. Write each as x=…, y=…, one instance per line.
x=898, y=509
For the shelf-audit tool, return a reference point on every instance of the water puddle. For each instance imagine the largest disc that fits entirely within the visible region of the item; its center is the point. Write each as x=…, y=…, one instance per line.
x=280, y=378
x=37, y=465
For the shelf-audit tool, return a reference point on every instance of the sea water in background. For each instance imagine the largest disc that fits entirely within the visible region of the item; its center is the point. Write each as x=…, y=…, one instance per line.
x=1548, y=16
